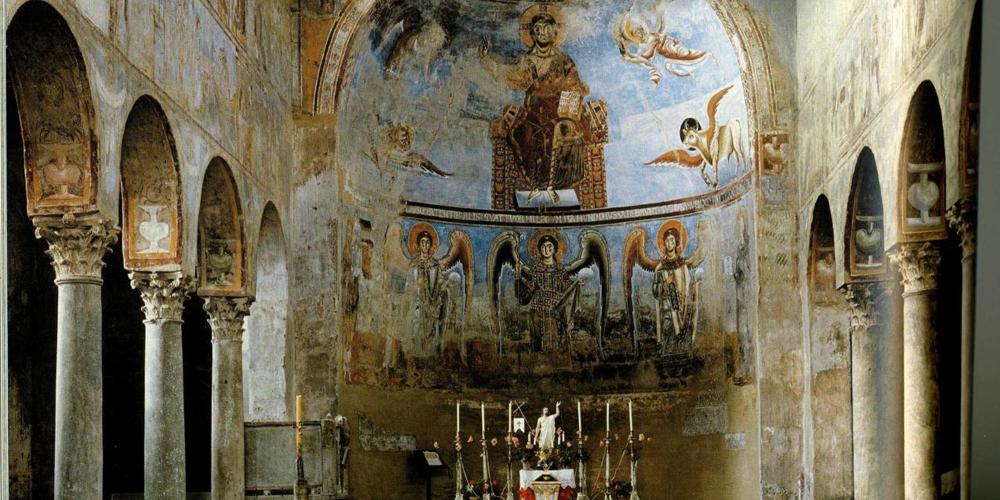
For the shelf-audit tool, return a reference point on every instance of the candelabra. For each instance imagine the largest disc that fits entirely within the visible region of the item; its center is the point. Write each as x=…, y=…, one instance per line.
x=633, y=463
x=510, y=468
x=607, y=468
x=459, y=469
x=581, y=468
x=487, y=484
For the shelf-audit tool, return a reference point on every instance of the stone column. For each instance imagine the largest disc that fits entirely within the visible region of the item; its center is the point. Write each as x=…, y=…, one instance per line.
x=863, y=301
x=77, y=246
x=226, y=315
x=962, y=218
x=918, y=264
x=163, y=296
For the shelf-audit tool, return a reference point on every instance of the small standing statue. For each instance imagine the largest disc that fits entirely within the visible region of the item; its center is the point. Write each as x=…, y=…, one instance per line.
x=545, y=431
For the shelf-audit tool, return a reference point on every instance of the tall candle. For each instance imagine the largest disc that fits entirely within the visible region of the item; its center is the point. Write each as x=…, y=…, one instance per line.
x=482, y=420
x=630, y=416
x=579, y=418
x=298, y=409
x=607, y=417
x=510, y=415
x=458, y=425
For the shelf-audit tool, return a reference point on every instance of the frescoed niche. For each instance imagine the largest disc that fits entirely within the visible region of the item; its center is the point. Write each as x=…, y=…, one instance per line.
x=539, y=106
x=220, y=233
x=866, y=229
x=652, y=302
x=50, y=84
x=922, y=169
x=151, y=189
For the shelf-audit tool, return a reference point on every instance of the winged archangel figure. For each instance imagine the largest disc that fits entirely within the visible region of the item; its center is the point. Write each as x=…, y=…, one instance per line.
x=640, y=46
x=675, y=287
x=710, y=146
x=547, y=288
x=430, y=290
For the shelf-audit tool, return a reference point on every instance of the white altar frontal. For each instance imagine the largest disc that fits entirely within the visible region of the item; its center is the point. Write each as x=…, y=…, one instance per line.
x=546, y=485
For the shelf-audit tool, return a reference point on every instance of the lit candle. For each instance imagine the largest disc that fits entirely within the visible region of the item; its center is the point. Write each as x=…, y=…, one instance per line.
x=579, y=418
x=458, y=425
x=482, y=420
x=630, y=416
x=510, y=415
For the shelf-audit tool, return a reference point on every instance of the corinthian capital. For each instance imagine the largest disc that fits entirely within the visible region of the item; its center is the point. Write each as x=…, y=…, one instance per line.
x=76, y=245
x=962, y=218
x=163, y=293
x=918, y=263
x=862, y=298
x=225, y=315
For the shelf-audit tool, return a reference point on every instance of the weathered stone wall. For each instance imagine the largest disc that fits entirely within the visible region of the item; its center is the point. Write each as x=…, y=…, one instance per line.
x=858, y=67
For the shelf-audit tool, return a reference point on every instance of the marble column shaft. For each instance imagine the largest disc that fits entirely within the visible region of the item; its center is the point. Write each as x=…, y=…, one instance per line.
x=863, y=301
x=226, y=316
x=77, y=246
x=918, y=264
x=962, y=218
x=163, y=296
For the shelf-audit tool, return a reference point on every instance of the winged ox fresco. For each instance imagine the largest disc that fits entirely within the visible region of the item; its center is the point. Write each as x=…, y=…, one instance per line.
x=706, y=148
x=548, y=290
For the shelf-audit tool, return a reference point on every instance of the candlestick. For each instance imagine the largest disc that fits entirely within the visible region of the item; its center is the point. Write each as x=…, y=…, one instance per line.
x=630, y=416
x=482, y=420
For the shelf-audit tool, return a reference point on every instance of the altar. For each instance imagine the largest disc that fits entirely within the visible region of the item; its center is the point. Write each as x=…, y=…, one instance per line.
x=556, y=484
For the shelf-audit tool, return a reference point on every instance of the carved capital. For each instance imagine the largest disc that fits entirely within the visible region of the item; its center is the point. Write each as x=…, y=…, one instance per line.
x=163, y=293
x=76, y=245
x=863, y=301
x=918, y=263
x=962, y=218
x=226, y=315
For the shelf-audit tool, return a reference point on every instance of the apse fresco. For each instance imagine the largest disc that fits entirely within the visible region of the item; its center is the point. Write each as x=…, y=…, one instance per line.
x=520, y=106
x=458, y=305
x=576, y=188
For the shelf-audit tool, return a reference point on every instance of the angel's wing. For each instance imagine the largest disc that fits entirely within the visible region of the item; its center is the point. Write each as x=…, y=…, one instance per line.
x=713, y=105
x=594, y=251
x=503, y=252
x=417, y=162
x=462, y=253
x=678, y=158
x=634, y=254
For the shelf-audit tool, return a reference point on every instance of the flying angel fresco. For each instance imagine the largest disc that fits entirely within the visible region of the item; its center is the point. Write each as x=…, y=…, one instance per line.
x=549, y=290
x=640, y=46
x=675, y=287
x=709, y=147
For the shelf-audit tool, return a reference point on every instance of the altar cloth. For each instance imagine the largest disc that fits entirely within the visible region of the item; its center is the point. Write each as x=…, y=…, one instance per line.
x=566, y=477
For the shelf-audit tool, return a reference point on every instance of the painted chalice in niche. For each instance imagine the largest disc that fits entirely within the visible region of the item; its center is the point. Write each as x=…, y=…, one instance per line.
x=61, y=175
x=153, y=230
x=868, y=239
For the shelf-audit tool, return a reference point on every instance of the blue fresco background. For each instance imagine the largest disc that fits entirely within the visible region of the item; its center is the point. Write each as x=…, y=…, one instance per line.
x=442, y=89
